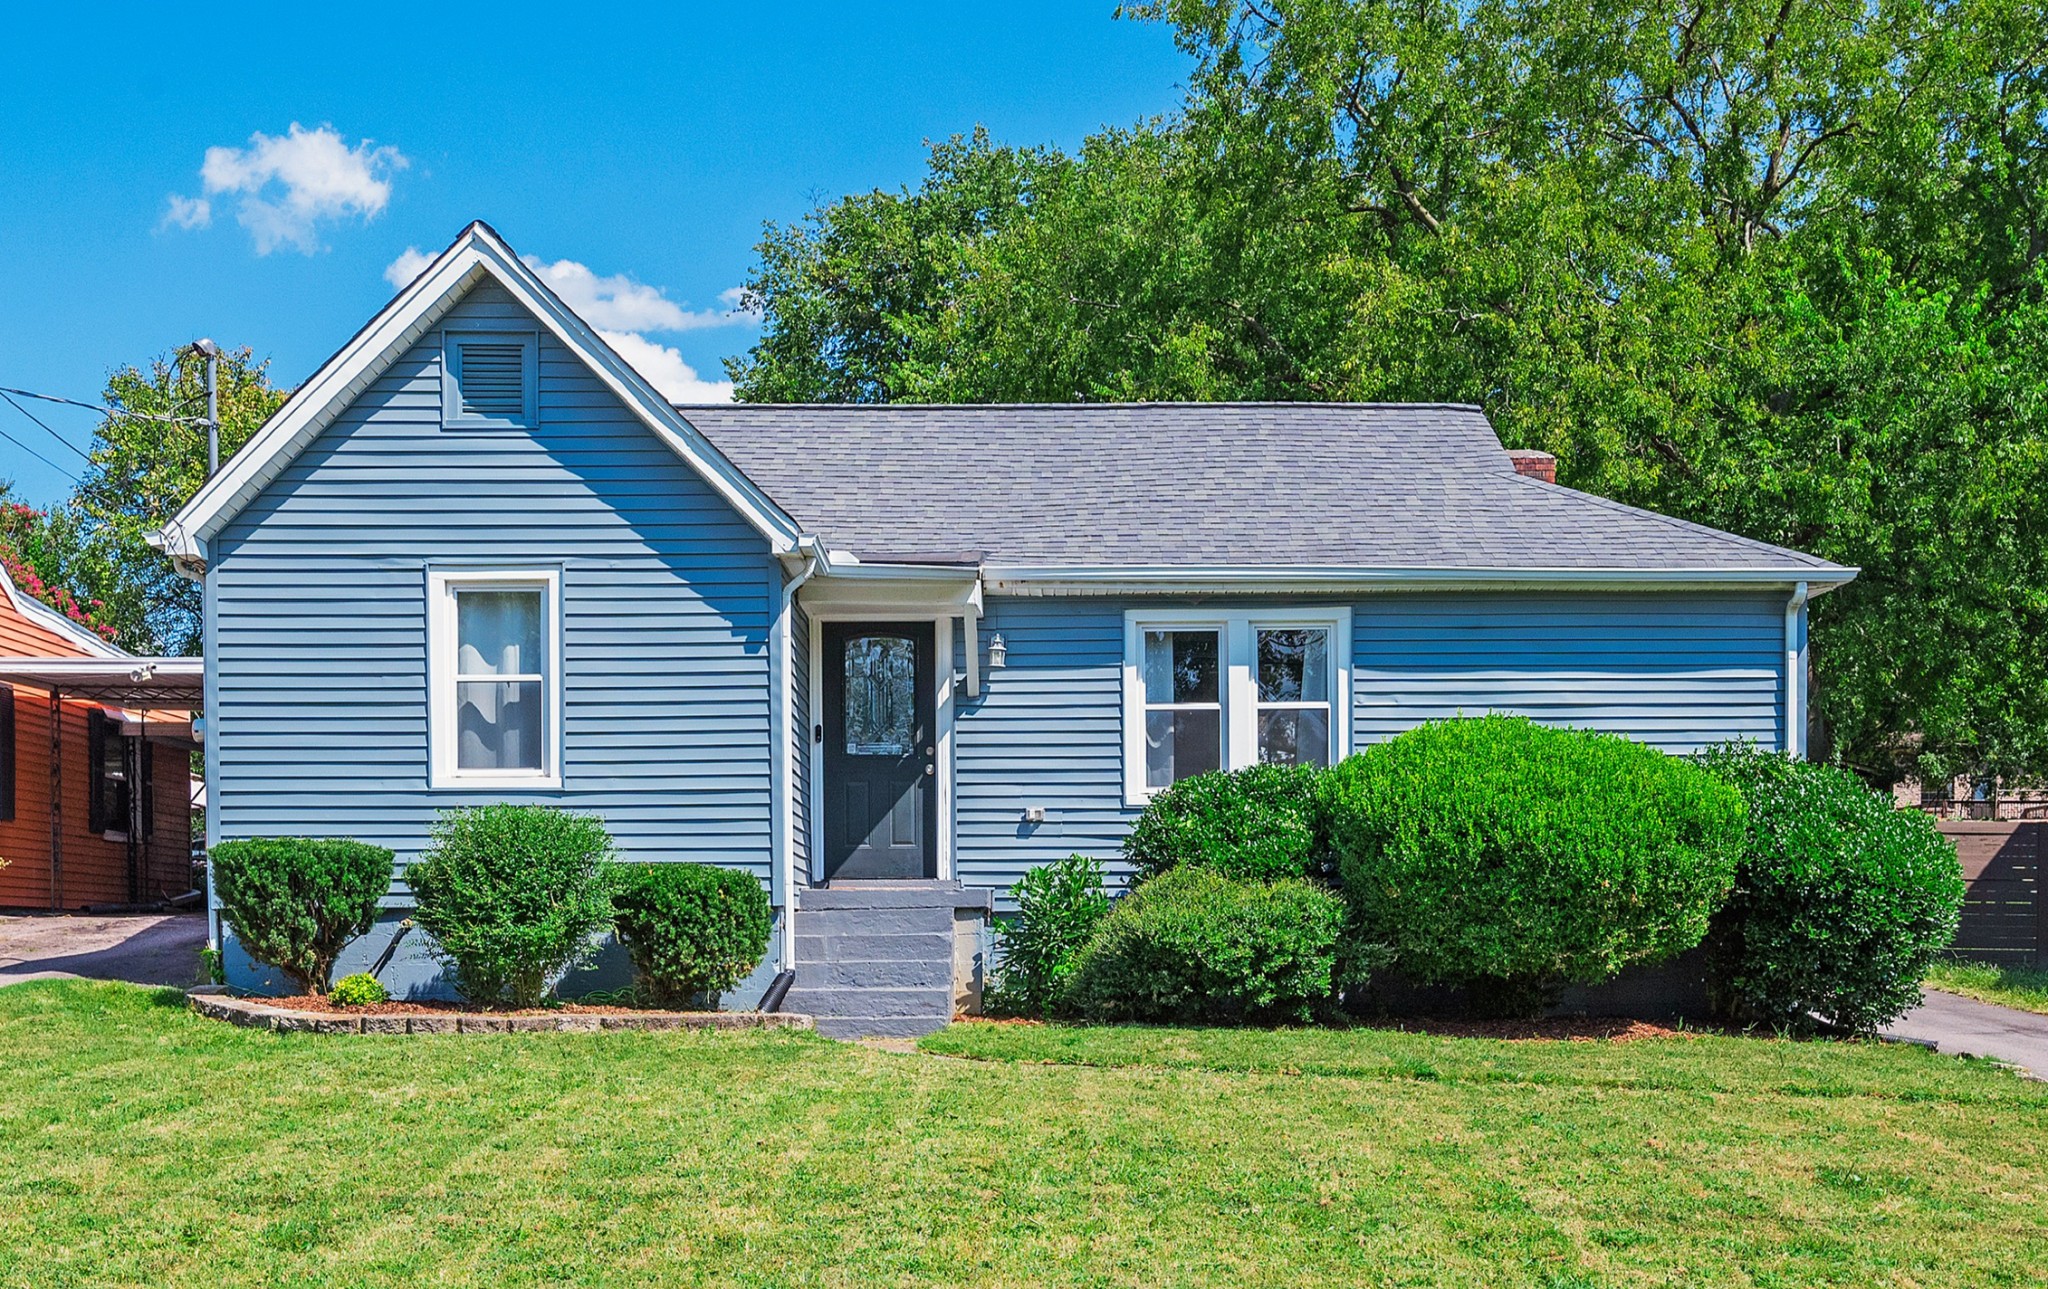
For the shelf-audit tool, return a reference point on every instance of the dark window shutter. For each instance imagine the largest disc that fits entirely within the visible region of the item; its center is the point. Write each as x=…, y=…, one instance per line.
x=8, y=759
x=96, y=771
x=491, y=378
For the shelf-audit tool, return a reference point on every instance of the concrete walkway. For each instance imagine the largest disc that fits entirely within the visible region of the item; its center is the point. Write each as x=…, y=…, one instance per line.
x=1966, y=1027
x=143, y=949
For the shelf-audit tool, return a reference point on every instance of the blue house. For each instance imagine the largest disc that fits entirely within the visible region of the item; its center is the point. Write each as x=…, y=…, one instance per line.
x=888, y=658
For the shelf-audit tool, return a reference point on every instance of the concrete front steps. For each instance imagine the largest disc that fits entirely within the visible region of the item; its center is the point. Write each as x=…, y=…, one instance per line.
x=886, y=959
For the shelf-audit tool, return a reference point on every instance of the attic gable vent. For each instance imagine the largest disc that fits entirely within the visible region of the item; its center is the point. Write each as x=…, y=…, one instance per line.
x=490, y=380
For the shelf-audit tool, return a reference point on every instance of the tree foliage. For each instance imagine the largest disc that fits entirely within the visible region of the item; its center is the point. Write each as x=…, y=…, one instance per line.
x=1771, y=265
x=143, y=471
x=90, y=557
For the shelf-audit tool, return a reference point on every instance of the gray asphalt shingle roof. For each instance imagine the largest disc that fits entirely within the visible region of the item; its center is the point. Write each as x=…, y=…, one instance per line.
x=1194, y=484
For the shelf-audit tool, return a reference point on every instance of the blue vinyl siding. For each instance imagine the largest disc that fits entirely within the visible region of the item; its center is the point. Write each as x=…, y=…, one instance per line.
x=1046, y=731
x=1675, y=671
x=321, y=636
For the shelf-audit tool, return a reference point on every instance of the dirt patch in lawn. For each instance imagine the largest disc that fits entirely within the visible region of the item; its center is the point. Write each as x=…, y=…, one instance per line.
x=1553, y=1029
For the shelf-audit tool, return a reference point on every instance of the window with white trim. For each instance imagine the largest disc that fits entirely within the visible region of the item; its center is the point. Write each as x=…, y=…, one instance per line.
x=1207, y=690
x=490, y=379
x=495, y=672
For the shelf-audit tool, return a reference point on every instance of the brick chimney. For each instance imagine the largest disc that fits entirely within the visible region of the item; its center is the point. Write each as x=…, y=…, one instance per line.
x=1537, y=465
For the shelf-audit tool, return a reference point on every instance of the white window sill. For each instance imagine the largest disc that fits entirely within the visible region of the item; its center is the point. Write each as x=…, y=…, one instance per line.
x=519, y=782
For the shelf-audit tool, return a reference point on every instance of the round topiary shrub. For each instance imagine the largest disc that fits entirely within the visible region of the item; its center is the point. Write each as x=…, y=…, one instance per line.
x=1059, y=905
x=1195, y=947
x=512, y=895
x=360, y=990
x=1514, y=859
x=296, y=902
x=1257, y=823
x=692, y=930
x=1841, y=901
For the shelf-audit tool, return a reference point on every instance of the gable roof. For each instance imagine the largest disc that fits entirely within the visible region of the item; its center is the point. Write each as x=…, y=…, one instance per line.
x=52, y=623
x=477, y=253
x=1423, y=488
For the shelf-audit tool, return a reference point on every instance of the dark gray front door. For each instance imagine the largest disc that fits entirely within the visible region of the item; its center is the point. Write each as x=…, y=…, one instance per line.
x=879, y=768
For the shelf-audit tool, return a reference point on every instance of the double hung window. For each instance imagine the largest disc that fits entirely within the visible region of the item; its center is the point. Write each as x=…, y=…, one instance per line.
x=1209, y=691
x=495, y=676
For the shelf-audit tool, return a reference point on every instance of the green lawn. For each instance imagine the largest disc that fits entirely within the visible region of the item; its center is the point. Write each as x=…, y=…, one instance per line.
x=141, y=1145
x=2022, y=987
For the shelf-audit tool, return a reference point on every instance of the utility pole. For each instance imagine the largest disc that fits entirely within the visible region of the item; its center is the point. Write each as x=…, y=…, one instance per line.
x=212, y=354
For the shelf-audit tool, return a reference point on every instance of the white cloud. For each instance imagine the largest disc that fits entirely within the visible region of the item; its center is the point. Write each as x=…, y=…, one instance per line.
x=621, y=304
x=411, y=262
x=665, y=369
x=187, y=212
x=289, y=184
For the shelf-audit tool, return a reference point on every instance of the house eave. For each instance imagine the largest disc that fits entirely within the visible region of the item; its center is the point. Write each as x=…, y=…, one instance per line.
x=1052, y=579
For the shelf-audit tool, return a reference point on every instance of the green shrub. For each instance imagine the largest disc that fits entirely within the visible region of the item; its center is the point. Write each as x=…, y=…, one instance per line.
x=512, y=896
x=1257, y=824
x=1194, y=946
x=360, y=990
x=1059, y=906
x=1514, y=859
x=691, y=929
x=1840, y=904
x=296, y=902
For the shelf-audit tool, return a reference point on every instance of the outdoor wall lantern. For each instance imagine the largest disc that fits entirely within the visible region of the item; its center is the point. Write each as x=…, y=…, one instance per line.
x=997, y=651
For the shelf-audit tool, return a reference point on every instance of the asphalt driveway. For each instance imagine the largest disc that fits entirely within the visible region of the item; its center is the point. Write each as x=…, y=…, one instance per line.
x=143, y=949
x=1966, y=1027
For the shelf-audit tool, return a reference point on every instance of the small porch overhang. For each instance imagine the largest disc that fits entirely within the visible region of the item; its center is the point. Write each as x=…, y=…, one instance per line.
x=944, y=588
x=174, y=687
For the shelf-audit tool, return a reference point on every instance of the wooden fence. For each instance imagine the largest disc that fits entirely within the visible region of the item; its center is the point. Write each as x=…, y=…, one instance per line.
x=2005, y=906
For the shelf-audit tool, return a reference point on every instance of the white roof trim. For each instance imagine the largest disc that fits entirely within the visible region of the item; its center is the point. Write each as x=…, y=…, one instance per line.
x=1050, y=579
x=478, y=252
x=49, y=619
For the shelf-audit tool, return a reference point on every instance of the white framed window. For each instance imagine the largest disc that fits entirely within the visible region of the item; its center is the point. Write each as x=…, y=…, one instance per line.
x=494, y=677
x=1209, y=689
x=490, y=380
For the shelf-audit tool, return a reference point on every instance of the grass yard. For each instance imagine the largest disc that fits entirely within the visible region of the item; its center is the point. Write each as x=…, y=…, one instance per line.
x=2022, y=987
x=142, y=1145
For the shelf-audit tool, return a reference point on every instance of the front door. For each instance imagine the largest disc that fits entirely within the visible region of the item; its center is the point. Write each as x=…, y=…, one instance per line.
x=880, y=766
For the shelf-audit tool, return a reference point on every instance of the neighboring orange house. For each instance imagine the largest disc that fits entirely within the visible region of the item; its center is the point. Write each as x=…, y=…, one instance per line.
x=100, y=813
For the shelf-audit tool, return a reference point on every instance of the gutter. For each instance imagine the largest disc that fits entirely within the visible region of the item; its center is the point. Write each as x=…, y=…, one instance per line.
x=1795, y=673
x=1195, y=579
x=781, y=673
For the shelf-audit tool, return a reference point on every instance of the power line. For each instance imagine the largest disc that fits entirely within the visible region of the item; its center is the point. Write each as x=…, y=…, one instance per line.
x=46, y=426
x=104, y=410
x=40, y=457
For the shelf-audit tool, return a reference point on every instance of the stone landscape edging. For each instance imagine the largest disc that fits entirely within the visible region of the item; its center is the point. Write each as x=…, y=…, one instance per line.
x=254, y=1013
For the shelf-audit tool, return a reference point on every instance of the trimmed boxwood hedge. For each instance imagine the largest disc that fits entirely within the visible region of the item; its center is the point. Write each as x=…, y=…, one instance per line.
x=1257, y=823
x=513, y=895
x=296, y=902
x=692, y=930
x=1841, y=901
x=1514, y=859
x=1194, y=946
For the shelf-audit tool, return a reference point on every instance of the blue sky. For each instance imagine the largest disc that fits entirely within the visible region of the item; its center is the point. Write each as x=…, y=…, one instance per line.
x=155, y=189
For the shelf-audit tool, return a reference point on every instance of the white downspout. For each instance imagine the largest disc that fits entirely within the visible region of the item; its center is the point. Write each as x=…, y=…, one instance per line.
x=1795, y=674
x=782, y=674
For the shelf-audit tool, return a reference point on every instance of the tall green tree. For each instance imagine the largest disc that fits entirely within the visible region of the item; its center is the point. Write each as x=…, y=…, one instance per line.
x=143, y=471
x=1773, y=265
